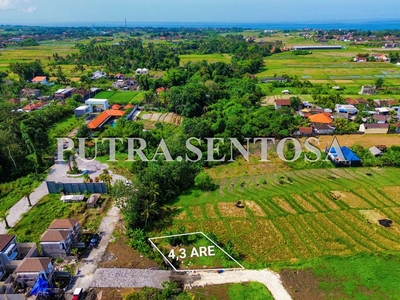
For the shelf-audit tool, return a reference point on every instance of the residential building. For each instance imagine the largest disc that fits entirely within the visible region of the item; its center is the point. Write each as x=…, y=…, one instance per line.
x=98, y=74
x=96, y=103
x=30, y=93
x=8, y=251
x=82, y=111
x=105, y=117
x=346, y=108
x=40, y=79
x=380, y=119
x=143, y=71
x=374, y=128
x=70, y=225
x=279, y=103
x=32, y=268
x=320, y=118
x=64, y=93
x=360, y=58
x=56, y=243
x=323, y=129
x=304, y=131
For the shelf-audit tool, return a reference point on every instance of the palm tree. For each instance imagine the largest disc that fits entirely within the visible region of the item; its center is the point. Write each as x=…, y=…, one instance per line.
x=67, y=157
x=106, y=177
x=86, y=177
x=3, y=217
x=149, y=209
x=152, y=190
x=27, y=193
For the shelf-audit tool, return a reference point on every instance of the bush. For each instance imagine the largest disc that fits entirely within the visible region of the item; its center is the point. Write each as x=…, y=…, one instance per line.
x=204, y=181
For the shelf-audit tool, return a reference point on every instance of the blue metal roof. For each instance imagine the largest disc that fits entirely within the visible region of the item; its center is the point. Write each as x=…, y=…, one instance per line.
x=348, y=154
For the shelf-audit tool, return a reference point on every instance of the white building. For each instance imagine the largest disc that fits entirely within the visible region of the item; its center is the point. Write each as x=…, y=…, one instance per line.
x=82, y=110
x=143, y=71
x=346, y=108
x=97, y=102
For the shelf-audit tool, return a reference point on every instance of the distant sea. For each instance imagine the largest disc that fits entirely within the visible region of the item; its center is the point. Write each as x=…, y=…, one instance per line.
x=363, y=25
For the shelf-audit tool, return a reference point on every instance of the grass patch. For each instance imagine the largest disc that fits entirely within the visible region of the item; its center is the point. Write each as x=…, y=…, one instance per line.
x=104, y=95
x=249, y=290
x=34, y=223
x=12, y=192
x=122, y=97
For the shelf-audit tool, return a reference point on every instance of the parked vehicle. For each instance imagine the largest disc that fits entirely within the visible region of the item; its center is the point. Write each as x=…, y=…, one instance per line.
x=78, y=293
x=94, y=240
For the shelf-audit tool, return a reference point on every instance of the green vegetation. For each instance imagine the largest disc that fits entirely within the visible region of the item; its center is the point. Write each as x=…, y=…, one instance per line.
x=297, y=215
x=251, y=290
x=35, y=222
x=362, y=276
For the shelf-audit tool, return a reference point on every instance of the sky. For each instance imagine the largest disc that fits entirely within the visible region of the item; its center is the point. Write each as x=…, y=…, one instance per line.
x=104, y=12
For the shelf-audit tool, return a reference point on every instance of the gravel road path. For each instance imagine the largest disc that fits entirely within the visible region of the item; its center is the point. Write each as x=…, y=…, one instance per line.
x=88, y=266
x=129, y=278
x=270, y=279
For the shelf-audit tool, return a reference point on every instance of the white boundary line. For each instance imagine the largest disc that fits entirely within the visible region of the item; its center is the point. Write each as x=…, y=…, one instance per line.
x=199, y=232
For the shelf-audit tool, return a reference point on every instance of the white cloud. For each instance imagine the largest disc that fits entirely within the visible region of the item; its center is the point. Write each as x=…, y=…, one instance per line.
x=7, y=4
x=12, y=4
x=30, y=9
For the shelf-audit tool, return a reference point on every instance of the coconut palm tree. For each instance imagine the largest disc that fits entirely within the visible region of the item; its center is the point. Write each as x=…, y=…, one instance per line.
x=149, y=210
x=27, y=193
x=106, y=177
x=3, y=217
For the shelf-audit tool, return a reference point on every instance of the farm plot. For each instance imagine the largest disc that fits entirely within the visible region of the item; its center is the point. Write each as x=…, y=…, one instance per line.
x=171, y=118
x=282, y=223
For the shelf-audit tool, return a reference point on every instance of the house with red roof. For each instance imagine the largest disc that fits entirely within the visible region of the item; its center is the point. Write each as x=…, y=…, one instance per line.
x=320, y=118
x=279, y=103
x=40, y=79
x=105, y=117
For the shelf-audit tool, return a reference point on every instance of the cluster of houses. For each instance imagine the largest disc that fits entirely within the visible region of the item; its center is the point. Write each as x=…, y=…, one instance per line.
x=371, y=57
x=22, y=264
x=379, y=115
x=31, y=99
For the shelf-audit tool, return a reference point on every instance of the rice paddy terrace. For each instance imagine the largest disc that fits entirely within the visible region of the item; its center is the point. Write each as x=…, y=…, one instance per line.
x=299, y=214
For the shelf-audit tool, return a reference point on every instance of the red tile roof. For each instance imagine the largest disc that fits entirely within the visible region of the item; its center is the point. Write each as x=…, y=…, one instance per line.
x=129, y=106
x=320, y=118
x=35, y=264
x=104, y=116
x=29, y=107
x=351, y=101
x=63, y=223
x=39, y=78
x=54, y=235
x=305, y=130
x=5, y=239
x=116, y=106
x=282, y=102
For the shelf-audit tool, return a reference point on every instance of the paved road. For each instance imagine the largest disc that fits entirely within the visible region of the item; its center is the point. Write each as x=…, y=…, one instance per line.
x=58, y=173
x=270, y=279
x=88, y=266
x=129, y=278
